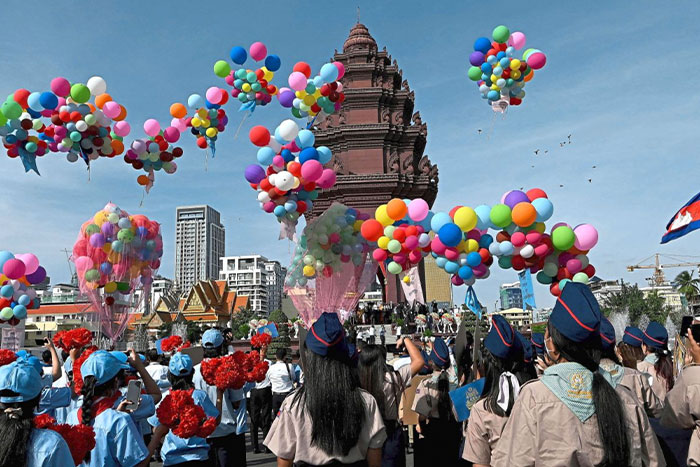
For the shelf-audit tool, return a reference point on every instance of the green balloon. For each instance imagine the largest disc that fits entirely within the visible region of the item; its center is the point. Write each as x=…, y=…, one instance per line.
x=501, y=34
x=394, y=246
x=563, y=238
x=3, y=118
x=394, y=268
x=125, y=235
x=474, y=73
x=92, y=275
x=222, y=69
x=6, y=313
x=501, y=215
x=543, y=278
x=80, y=93
x=505, y=262
x=296, y=112
x=11, y=109
x=92, y=229
x=581, y=277
x=122, y=286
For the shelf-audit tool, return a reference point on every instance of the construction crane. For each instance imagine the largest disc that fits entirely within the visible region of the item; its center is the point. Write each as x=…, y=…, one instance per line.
x=658, y=278
x=73, y=274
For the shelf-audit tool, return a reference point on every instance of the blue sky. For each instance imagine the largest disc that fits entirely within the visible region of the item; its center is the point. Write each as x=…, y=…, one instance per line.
x=619, y=78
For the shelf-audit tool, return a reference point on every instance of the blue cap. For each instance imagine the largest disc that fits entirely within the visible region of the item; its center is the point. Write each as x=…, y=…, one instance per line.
x=537, y=341
x=441, y=353
x=576, y=314
x=327, y=337
x=528, y=351
x=30, y=359
x=655, y=336
x=426, y=365
x=103, y=366
x=68, y=365
x=180, y=364
x=21, y=378
x=353, y=354
x=212, y=338
x=607, y=334
x=633, y=336
x=501, y=340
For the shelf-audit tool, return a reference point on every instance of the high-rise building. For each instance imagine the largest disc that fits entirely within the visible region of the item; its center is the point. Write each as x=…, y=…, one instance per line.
x=247, y=275
x=274, y=273
x=199, y=244
x=511, y=296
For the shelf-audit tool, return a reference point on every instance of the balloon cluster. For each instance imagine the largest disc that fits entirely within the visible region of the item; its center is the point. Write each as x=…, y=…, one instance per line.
x=289, y=185
x=501, y=76
x=312, y=96
x=19, y=274
x=327, y=243
x=402, y=241
x=208, y=118
x=155, y=152
x=114, y=254
x=77, y=126
x=250, y=87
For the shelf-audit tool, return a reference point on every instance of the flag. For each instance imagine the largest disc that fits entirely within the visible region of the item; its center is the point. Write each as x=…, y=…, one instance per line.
x=271, y=329
x=412, y=289
x=465, y=397
x=526, y=290
x=159, y=350
x=472, y=302
x=684, y=221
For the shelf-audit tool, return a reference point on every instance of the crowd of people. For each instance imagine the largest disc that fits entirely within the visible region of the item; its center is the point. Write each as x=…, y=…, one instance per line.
x=575, y=395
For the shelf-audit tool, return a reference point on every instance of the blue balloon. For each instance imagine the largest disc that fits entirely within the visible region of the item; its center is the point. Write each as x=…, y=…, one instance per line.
x=486, y=68
x=290, y=206
x=500, y=55
x=485, y=241
x=195, y=101
x=272, y=62
x=33, y=101
x=329, y=73
x=5, y=255
x=491, y=59
x=450, y=234
x=48, y=100
x=265, y=155
x=465, y=272
x=441, y=262
x=493, y=95
x=33, y=113
x=239, y=55
x=483, y=215
x=7, y=291
x=482, y=45
x=308, y=154
x=473, y=259
x=305, y=139
x=24, y=300
x=324, y=154
x=451, y=267
x=505, y=61
x=20, y=311
x=544, y=208
x=506, y=248
x=318, y=81
x=280, y=211
x=287, y=155
x=438, y=220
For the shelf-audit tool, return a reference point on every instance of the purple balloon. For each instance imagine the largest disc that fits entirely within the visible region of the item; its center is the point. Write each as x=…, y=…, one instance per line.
x=254, y=173
x=476, y=58
x=107, y=229
x=37, y=276
x=286, y=98
x=97, y=240
x=515, y=197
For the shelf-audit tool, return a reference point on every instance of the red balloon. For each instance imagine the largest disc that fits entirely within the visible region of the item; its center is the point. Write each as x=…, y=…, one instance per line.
x=453, y=210
x=304, y=68
x=400, y=235
x=506, y=73
x=535, y=193
x=564, y=273
x=484, y=253
x=301, y=207
x=372, y=229
x=259, y=136
x=411, y=230
x=20, y=96
x=202, y=142
x=589, y=270
x=554, y=289
x=502, y=237
x=177, y=152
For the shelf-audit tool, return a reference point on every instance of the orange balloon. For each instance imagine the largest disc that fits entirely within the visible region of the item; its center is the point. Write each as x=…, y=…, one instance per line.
x=529, y=76
x=122, y=114
x=178, y=110
x=524, y=214
x=142, y=180
x=294, y=168
x=92, y=107
x=117, y=147
x=396, y=209
x=102, y=99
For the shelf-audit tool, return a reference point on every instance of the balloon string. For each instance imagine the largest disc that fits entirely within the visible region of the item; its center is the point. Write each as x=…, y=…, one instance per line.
x=89, y=171
x=241, y=124
x=491, y=128
x=206, y=161
x=143, y=196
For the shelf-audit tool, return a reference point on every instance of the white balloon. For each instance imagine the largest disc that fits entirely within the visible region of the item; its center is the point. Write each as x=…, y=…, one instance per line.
x=97, y=85
x=15, y=284
x=284, y=180
x=81, y=125
x=263, y=197
x=527, y=251
x=274, y=145
x=272, y=178
x=288, y=129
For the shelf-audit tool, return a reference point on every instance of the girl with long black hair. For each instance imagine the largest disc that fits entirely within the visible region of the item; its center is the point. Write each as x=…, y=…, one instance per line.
x=502, y=353
x=118, y=442
x=22, y=444
x=657, y=362
x=572, y=415
x=432, y=403
x=330, y=420
x=387, y=385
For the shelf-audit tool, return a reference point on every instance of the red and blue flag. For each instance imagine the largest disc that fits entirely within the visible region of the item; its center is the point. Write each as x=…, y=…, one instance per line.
x=684, y=221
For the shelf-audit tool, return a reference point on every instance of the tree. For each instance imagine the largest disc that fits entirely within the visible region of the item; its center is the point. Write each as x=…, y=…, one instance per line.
x=635, y=304
x=283, y=341
x=239, y=322
x=687, y=285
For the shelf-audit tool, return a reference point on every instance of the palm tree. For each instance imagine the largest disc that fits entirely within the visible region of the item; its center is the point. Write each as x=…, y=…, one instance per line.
x=687, y=285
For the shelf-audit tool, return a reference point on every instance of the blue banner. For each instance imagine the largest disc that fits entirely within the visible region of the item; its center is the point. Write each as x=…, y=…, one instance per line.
x=159, y=350
x=465, y=397
x=472, y=302
x=526, y=289
x=271, y=329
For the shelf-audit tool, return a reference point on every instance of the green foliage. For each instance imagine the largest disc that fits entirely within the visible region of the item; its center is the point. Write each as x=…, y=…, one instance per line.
x=539, y=328
x=242, y=331
x=239, y=322
x=633, y=301
x=687, y=285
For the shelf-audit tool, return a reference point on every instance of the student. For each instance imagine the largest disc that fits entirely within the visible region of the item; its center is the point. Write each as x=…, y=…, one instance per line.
x=118, y=442
x=525, y=369
x=387, y=386
x=157, y=370
x=572, y=415
x=60, y=414
x=260, y=407
x=502, y=353
x=281, y=376
x=629, y=350
x=630, y=378
x=228, y=440
x=438, y=425
x=329, y=420
x=150, y=393
x=537, y=341
x=22, y=444
x=194, y=451
x=52, y=365
x=657, y=361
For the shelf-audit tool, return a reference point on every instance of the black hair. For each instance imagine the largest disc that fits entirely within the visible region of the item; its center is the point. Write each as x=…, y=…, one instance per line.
x=464, y=365
x=46, y=356
x=15, y=430
x=181, y=382
x=372, y=370
x=493, y=368
x=213, y=352
x=64, y=355
x=281, y=353
x=152, y=355
x=608, y=406
x=630, y=354
x=92, y=391
x=610, y=354
x=663, y=365
x=443, y=389
x=337, y=411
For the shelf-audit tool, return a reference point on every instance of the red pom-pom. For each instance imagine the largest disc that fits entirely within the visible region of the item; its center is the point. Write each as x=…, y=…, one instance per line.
x=170, y=343
x=233, y=371
x=77, y=377
x=260, y=340
x=185, y=418
x=79, y=438
x=43, y=421
x=7, y=356
x=72, y=339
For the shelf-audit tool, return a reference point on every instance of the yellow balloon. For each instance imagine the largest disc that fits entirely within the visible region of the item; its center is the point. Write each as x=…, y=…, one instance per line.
x=309, y=100
x=383, y=242
x=407, y=279
x=515, y=64
x=107, y=248
x=300, y=94
x=297, y=182
x=494, y=87
x=100, y=218
x=111, y=287
x=211, y=132
x=515, y=74
x=472, y=245
x=494, y=78
x=357, y=226
x=317, y=93
x=268, y=75
x=196, y=122
x=202, y=113
x=381, y=215
x=540, y=227
x=246, y=87
x=465, y=218
x=206, y=122
x=309, y=271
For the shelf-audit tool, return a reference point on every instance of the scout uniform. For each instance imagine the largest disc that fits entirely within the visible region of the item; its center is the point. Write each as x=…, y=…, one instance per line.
x=395, y=383
x=290, y=434
x=553, y=422
x=655, y=337
x=682, y=408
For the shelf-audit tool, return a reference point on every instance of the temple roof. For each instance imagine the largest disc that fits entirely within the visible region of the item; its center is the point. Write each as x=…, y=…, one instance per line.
x=359, y=38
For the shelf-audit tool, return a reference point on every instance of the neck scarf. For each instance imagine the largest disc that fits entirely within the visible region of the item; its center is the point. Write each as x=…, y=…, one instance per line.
x=651, y=358
x=616, y=371
x=99, y=406
x=572, y=383
x=504, y=389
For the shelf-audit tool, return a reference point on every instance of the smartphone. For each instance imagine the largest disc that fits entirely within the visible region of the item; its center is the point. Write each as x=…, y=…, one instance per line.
x=133, y=394
x=695, y=329
x=685, y=324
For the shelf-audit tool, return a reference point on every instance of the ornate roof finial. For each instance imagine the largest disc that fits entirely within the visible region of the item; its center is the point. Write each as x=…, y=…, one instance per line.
x=358, y=14
x=359, y=38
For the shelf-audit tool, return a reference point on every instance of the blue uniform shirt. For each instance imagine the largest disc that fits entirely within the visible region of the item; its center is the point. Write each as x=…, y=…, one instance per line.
x=230, y=416
x=52, y=399
x=146, y=408
x=176, y=450
x=47, y=449
x=118, y=442
x=61, y=413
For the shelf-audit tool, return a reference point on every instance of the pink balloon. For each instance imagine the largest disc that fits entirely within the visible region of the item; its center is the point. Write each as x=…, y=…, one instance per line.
x=536, y=60
x=258, y=51
x=411, y=242
x=451, y=253
x=121, y=128
x=574, y=266
x=327, y=178
x=417, y=208
x=517, y=40
x=586, y=237
x=334, y=237
x=214, y=95
x=278, y=161
x=13, y=268
x=341, y=69
x=437, y=246
x=456, y=280
x=415, y=256
x=60, y=86
x=171, y=134
x=297, y=81
x=269, y=206
x=178, y=123
x=31, y=262
x=311, y=170
x=111, y=109
x=517, y=239
x=379, y=255
x=151, y=127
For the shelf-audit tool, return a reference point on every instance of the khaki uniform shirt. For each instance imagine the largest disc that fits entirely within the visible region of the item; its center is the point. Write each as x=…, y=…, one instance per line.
x=543, y=431
x=394, y=386
x=483, y=432
x=425, y=403
x=638, y=383
x=658, y=384
x=290, y=435
x=682, y=408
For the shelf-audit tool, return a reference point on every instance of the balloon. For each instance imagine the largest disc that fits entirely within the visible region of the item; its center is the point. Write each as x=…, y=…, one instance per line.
x=13, y=268
x=544, y=208
x=97, y=85
x=580, y=277
x=288, y=130
x=329, y=72
x=482, y=45
x=500, y=215
x=222, y=69
x=474, y=73
x=524, y=214
x=151, y=127
x=536, y=60
x=238, y=55
x=258, y=51
x=465, y=218
x=396, y=209
x=31, y=262
x=259, y=136
x=311, y=170
x=37, y=276
x=418, y=209
x=514, y=197
x=79, y=93
x=586, y=237
x=517, y=40
x=273, y=63
x=254, y=173
x=439, y=220
x=372, y=229
x=501, y=34
x=450, y=234
x=297, y=81
x=60, y=86
x=195, y=101
x=563, y=238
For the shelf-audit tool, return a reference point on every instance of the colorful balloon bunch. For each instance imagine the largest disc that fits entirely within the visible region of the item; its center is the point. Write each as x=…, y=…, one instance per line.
x=501, y=76
x=208, y=118
x=294, y=171
x=114, y=254
x=250, y=87
x=19, y=273
x=327, y=243
x=155, y=152
x=402, y=241
x=307, y=96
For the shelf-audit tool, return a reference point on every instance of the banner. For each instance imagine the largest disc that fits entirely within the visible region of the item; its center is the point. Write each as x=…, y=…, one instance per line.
x=684, y=221
x=472, y=302
x=412, y=287
x=13, y=337
x=270, y=329
x=526, y=290
x=465, y=397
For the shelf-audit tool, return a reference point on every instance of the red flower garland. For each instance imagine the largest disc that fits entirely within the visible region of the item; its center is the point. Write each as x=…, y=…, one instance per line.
x=7, y=356
x=260, y=340
x=72, y=339
x=77, y=377
x=233, y=371
x=185, y=418
x=170, y=343
x=79, y=438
